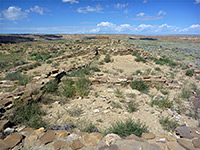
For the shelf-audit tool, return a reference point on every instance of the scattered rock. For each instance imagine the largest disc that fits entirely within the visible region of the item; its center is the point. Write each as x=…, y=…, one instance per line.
x=174, y=146
x=92, y=139
x=134, y=137
x=62, y=133
x=76, y=144
x=8, y=131
x=111, y=138
x=48, y=137
x=10, y=141
x=111, y=147
x=4, y=124
x=184, y=132
x=60, y=144
x=39, y=131
x=186, y=143
x=148, y=136
x=196, y=143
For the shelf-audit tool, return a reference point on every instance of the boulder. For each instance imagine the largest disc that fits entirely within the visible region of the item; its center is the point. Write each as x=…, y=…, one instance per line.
x=62, y=133
x=196, y=143
x=111, y=138
x=184, y=132
x=92, y=139
x=174, y=146
x=10, y=141
x=76, y=144
x=148, y=136
x=186, y=143
x=48, y=137
x=4, y=124
x=60, y=144
x=134, y=137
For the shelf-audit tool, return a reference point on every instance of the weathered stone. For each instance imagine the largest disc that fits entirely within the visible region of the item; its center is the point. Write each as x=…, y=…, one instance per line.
x=76, y=144
x=184, y=132
x=134, y=137
x=174, y=146
x=4, y=124
x=48, y=137
x=196, y=143
x=8, y=131
x=60, y=144
x=92, y=139
x=5, y=102
x=186, y=143
x=30, y=141
x=148, y=136
x=62, y=133
x=39, y=131
x=111, y=147
x=10, y=141
x=111, y=138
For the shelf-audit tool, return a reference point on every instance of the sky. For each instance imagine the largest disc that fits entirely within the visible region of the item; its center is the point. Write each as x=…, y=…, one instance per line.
x=141, y=17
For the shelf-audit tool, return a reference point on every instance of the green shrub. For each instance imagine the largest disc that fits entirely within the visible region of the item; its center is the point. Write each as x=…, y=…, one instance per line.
x=28, y=114
x=189, y=72
x=163, y=103
x=164, y=92
x=82, y=87
x=68, y=90
x=51, y=86
x=13, y=76
x=165, y=61
x=140, y=59
x=131, y=107
x=75, y=112
x=185, y=93
x=118, y=93
x=95, y=69
x=157, y=69
x=139, y=85
x=126, y=128
x=135, y=53
x=81, y=72
x=138, y=72
x=89, y=128
x=167, y=124
x=116, y=105
x=23, y=79
x=107, y=58
x=49, y=61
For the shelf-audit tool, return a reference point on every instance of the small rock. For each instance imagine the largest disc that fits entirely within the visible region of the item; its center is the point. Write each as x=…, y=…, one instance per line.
x=196, y=143
x=186, y=143
x=60, y=144
x=10, y=141
x=4, y=124
x=96, y=110
x=111, y=138
x=134, y=137
x=162, y=140
x=8, y=131
x=62, y=133
x=39, y=131
x=111, y=147
x=148, y=136
x=48, y=137
x=174, y=146
x=106, y=111
x=92, y=139
x=76, y=144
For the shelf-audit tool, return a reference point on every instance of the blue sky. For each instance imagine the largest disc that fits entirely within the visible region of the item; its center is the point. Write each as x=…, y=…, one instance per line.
x=144, y=17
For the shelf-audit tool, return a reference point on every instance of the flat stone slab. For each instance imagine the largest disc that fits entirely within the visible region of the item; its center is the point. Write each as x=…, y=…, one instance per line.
x=48, y=137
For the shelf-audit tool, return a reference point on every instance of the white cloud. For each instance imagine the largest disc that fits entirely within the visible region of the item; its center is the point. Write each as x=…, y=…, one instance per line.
x=192, y=28
x=144, y=1
x=161, y=12
x=86, y=9
x=38, y=9
x=197, y=1
x=70, y=1
x=118, y=5
x=143, y=16
x=14, y=13
x=126, y=11
x=106, y=24
x=140, y=14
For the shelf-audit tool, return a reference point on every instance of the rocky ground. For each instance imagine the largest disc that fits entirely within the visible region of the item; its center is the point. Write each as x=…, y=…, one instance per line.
x=67, y=94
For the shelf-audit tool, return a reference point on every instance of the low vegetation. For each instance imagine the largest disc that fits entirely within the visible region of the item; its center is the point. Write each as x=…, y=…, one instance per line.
x=22, y=79
x=107, y=58
x=189, y=72
x=28, y=114
x=116, y=105
x=126, y=128
x=75, y=112
x=162, y=103
x=139, y=85
x=131, y=107
x=167, y=124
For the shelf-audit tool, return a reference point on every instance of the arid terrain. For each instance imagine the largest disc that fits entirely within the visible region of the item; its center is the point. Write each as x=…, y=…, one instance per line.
x=105, y=92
